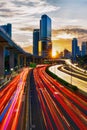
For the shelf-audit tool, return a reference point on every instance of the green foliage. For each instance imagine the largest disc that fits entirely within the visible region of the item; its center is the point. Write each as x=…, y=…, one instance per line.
x=82, y=61
x=46, y=62
x=32, y=65
x=74, y=88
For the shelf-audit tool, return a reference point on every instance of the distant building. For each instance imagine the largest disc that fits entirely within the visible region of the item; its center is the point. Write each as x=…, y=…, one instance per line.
x=78, y=51
x=67, y=53
x=45, y=35
x=35, y=41
x=8, y=29
x=84, y=48
x=75, y=49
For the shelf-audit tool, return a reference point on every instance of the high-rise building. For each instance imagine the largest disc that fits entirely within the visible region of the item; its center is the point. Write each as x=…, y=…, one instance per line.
x=45, y=34
x=84, y=48
x=35, y=41
x=78, y=51
x=7, y=28
x=74, y=49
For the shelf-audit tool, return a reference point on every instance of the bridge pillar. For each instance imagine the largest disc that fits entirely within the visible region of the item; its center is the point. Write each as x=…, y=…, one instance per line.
x=2, y=61
x=18, y=60
x=24, y=60
x=21, y=60
x=11, y=60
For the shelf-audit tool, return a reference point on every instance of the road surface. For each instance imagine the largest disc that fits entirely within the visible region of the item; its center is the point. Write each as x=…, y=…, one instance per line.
x=82, y=85
x=11, y=98
x=61, y=108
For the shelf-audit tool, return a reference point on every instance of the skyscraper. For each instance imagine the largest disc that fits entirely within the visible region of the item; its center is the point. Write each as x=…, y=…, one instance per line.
x=8, y=29
x=35, y=41
x=45, y=34
x=84, y=48
x=74, y=49
x=78, y=51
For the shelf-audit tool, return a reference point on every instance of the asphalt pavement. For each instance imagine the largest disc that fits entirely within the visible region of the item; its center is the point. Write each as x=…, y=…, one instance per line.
x=36, y=118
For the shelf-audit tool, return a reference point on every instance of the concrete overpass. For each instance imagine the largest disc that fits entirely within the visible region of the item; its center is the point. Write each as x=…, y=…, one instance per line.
x=23, y=58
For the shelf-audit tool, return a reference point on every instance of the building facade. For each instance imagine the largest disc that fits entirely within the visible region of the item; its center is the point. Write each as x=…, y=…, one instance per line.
x=78, y=51
x=67, y=54
x=7, y=28
x=45, y=35
x=84, y=48
x=35, y=41
x=74, y=49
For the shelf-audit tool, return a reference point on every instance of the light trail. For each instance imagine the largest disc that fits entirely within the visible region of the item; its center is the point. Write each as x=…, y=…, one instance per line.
x=10, y=114
x=54, y=93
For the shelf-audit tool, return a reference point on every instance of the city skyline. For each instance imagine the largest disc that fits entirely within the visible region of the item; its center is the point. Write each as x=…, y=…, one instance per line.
x=68, y=18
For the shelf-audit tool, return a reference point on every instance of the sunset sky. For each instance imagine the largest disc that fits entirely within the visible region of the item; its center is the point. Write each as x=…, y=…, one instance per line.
x=69, y=19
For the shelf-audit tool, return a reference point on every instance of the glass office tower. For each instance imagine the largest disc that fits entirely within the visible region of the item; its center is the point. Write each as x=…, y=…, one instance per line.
x=84, y=48
x=8, y=29
x=45, y=34
x=74, y=49
x=35, y=41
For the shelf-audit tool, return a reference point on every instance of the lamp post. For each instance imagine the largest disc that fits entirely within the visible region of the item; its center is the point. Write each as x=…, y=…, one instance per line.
x=71, y=73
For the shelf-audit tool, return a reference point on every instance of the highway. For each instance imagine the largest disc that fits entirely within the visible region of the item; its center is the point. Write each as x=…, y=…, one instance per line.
x=68, y=62
x=57, y=108
x=77, y=71
x=61, y=108
x=82, y=85
x=11, y=98
x=36, y=118
x=74, y=72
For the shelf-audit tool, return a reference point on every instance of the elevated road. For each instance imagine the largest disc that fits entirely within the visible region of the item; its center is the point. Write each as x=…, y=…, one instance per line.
x=82, y=85
x=71, y=71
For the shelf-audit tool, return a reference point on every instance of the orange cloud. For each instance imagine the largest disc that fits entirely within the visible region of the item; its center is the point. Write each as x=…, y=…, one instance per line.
x=60, y=44
x=57, y=45
x=28, y=49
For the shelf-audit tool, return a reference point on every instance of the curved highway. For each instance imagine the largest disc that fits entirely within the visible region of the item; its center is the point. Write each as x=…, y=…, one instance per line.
x=61, y=108
x=82, y=71
x=82, y=85
x=71, y=71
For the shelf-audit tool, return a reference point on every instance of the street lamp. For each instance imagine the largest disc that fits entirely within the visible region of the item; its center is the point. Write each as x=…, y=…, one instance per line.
x=71, y=72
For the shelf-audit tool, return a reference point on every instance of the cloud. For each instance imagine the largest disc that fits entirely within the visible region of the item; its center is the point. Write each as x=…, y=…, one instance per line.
x=69, y=33
x=28, y=49
x=60, y=44
x=25, y=16
x=27, y=7
x=23, y=39
x=27, y=28
x=63, y=35
x=59, y=22
x=71, y=30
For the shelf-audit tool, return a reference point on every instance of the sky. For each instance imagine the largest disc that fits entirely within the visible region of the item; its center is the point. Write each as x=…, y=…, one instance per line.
x=69, y=19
